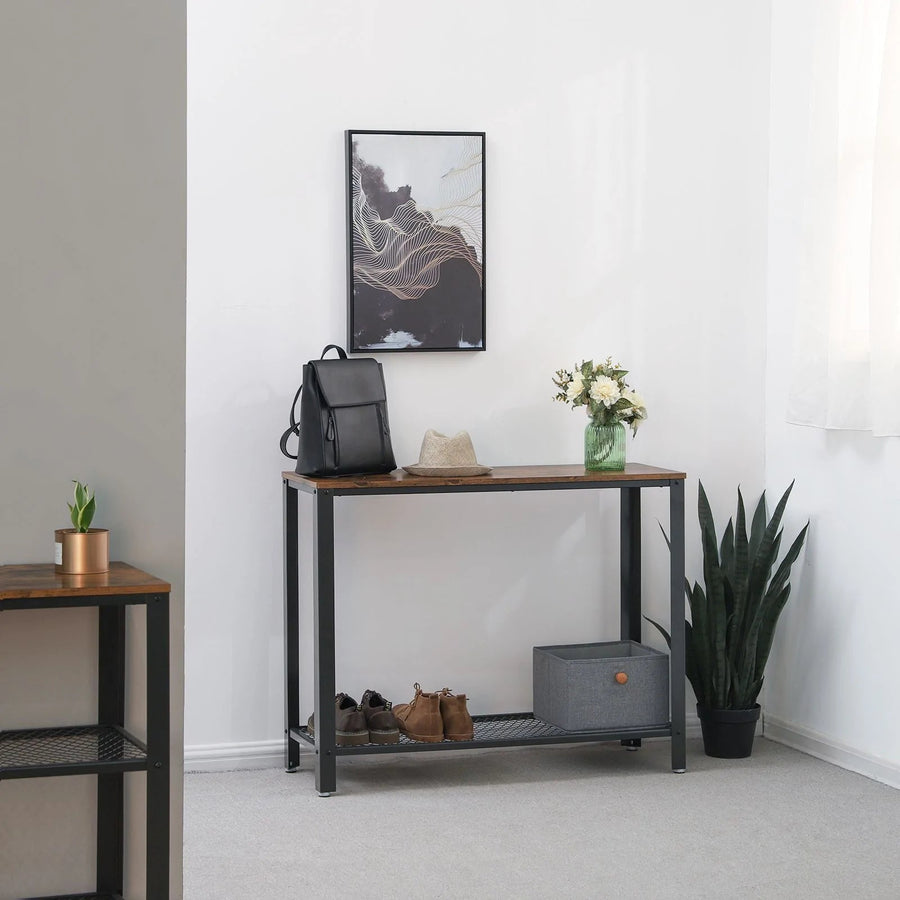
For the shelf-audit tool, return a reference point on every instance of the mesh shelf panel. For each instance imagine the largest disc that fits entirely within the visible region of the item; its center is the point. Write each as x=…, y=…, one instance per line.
x=40, y=747
x=505, y=729
x=80, y=897
x=512, y=727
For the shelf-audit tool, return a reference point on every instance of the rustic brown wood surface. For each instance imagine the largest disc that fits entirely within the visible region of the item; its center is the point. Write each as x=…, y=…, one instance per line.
x=41, y=580
x=498, y=475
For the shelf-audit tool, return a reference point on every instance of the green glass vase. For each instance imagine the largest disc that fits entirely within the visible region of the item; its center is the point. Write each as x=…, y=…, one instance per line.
x=604, y=447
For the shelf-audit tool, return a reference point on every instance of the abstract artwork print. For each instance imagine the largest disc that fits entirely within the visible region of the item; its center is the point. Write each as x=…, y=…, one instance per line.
x=415, y=210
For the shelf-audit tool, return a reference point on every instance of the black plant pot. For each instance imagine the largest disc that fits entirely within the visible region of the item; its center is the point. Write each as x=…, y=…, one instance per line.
x=728, y=733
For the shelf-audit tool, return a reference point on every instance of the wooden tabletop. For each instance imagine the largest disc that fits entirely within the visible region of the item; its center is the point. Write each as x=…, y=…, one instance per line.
x=41, y=580
x=499, y=475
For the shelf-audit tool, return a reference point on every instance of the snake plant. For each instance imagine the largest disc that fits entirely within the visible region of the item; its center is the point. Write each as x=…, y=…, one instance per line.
x=727, y=643
x=82, y=510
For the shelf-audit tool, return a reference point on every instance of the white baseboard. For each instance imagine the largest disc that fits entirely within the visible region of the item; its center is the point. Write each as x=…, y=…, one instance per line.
x=230, y=757
x=270, y=754
x=823, y=747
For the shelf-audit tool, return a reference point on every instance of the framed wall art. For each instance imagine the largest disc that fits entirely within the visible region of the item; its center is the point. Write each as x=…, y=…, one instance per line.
x=415, y=221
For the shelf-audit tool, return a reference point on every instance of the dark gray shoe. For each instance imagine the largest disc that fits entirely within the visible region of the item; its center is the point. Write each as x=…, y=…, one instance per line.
x=380, y=720
x=349, y=720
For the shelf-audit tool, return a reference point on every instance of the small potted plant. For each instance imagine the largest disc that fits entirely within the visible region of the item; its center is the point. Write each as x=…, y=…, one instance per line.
x=727, y=643
x=82, y=550
x=610, y=404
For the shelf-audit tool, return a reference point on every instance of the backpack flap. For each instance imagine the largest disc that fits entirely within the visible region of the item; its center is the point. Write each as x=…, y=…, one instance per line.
x=349, y=382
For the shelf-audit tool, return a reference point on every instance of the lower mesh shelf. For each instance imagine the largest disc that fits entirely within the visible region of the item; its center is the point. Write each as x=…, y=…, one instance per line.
x=59, y=751
x=80, y=897
x=508, y=729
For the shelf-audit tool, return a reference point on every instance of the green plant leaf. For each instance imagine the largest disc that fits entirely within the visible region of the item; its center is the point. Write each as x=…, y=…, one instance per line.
x=715, y=594
x=87, y=514
x=691, y=669
x=765, y=618
x=734, y=682
x=758, y=527
x=663, y=530
x=741, y=570
x=703, y=643
x=766, y=630
x=761, y=567
x=728, y=595
x=726, y=549
x=667, y=637
x=784, y=570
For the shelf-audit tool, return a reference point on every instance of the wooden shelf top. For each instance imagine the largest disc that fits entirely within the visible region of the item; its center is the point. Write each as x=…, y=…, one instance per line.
x=41, y=580
x=499, y=475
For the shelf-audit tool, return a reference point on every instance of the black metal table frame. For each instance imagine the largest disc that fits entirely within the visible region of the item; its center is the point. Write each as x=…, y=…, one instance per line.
x=326, y=751
x=111, y=713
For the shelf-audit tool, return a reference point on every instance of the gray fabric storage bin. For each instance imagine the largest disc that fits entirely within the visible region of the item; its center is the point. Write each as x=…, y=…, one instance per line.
x=575, y=686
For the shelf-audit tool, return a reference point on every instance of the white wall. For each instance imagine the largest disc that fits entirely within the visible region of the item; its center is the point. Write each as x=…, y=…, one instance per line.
x=831, y=681
x=626, y=214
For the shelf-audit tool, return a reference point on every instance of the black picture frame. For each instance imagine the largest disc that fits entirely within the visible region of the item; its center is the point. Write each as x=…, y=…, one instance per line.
x=415, y=241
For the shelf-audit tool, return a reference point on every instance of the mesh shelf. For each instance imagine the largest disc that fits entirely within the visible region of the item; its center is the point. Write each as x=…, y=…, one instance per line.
x=80, y=897
x=506, y=729
x=59, y=751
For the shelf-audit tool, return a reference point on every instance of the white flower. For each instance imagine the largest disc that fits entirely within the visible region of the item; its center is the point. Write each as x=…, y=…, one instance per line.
x=605, y=390
x=634, y=398
x=575, y=387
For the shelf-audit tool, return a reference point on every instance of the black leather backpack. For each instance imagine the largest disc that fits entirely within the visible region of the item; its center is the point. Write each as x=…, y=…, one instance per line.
x=343, y=426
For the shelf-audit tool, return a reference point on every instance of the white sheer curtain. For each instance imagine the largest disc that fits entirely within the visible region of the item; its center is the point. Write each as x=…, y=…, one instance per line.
x=846, y=363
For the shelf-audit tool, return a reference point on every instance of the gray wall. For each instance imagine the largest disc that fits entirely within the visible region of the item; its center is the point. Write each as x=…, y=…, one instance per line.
x=92, y=336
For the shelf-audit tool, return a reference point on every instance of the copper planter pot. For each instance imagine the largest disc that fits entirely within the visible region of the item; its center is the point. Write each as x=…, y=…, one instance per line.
x=82, y=553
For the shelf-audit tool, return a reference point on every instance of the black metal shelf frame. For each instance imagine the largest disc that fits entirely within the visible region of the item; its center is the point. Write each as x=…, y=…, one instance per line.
x=326, y=750
x=106, y=749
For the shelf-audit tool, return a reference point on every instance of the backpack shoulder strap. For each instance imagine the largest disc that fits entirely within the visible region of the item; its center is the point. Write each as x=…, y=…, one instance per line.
x=294, y=428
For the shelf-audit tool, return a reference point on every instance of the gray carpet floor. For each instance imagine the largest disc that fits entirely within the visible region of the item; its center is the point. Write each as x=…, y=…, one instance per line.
x=571, y=821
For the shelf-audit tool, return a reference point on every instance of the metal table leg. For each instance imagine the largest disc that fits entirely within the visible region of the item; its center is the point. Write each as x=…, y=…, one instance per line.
x=110, y=788
x=323, y=605
x=630, y=572
x=677, y=655
x=158, y=747
x=290, y=503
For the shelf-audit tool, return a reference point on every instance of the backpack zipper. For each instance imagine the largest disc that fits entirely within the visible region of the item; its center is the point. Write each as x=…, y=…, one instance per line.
x=331, y=435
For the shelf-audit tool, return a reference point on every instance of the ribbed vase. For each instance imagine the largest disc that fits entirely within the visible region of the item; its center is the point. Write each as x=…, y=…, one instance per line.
x=604, y=447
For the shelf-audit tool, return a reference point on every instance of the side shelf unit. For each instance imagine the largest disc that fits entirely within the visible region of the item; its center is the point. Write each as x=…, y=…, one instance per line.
x=104, y=748
x=511, y=729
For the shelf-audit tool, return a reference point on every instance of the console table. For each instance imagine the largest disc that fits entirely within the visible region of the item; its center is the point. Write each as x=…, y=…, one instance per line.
x=104, y=748
x=509, y=729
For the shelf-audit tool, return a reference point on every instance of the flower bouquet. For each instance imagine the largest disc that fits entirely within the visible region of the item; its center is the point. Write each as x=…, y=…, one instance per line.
x=610, y=404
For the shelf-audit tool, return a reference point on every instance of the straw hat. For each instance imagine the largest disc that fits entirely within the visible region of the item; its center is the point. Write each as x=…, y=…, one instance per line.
x=447, y=456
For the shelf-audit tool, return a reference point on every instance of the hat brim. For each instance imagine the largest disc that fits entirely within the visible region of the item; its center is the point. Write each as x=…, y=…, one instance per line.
x=446, y=471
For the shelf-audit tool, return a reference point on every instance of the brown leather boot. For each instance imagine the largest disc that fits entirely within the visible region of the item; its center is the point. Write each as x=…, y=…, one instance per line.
x=420, y=719
x=458, y=725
